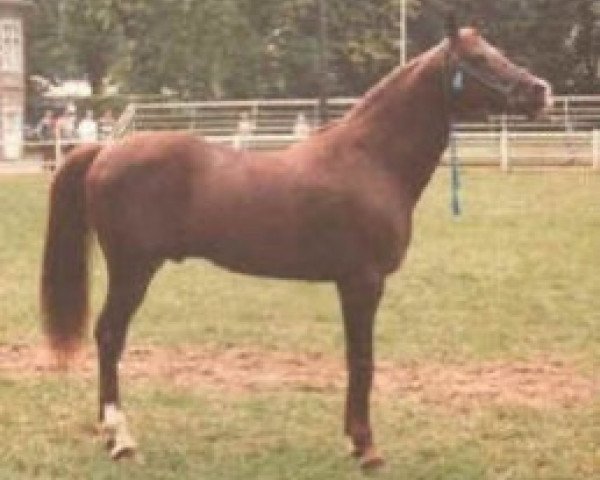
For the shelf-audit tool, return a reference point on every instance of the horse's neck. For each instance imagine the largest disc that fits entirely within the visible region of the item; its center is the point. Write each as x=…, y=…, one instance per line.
x=404, y=122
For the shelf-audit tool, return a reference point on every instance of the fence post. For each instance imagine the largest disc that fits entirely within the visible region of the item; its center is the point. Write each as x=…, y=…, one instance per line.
x=504, y=153
x=255, y=113
x=596, y=149
x=193, y=121
x=315, y=115
x=58, y=157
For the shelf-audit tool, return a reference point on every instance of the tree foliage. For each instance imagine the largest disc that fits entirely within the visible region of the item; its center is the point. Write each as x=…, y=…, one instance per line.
x=248, y=48
x=74, y=37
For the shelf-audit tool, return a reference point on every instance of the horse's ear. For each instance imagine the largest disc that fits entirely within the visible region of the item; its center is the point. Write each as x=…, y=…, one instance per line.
x=451, y=26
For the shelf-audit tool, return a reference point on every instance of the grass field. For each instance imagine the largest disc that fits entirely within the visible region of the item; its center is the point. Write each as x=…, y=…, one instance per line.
x=510, y=289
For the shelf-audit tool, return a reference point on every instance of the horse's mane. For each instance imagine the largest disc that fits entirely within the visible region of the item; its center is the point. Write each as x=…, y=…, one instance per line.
x=328, y=126
x=392, y=80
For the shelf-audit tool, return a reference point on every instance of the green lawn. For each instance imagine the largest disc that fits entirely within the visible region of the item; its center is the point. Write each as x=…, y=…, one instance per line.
x=516, y=278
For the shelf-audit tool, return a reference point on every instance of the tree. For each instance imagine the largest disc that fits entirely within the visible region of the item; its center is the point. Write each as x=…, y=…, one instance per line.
x=48, y=53
x=74, y=37
x=197, y=48
x=248, y=48
x=362, y=44
x=554, y=38
x=585, y=42
x=94, y=32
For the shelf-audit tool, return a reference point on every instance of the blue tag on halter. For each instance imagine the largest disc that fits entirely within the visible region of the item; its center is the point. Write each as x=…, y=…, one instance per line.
x=458, y=81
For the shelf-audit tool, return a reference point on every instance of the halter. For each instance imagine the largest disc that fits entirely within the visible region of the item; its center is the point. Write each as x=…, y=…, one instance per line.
x=454, y=84
x=463, y=68
x=504, y=88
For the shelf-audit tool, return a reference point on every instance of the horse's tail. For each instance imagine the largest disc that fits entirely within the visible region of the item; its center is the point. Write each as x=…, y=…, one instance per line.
x=64, y=282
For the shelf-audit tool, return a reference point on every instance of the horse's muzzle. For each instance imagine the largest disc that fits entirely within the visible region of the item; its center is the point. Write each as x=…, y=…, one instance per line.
x=532, y=97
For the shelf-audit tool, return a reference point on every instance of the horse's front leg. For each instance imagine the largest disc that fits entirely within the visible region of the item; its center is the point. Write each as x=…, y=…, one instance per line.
x=127, y=285
x=359, y=298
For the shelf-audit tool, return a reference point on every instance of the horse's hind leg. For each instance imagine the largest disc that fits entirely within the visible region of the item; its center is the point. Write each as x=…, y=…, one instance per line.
x=128, y=280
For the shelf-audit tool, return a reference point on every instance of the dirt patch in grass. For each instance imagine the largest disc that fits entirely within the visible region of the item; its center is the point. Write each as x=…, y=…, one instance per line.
x=538, y=383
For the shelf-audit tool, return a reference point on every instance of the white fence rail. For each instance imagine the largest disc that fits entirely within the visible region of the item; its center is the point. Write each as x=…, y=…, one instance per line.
x=504, y=149
x=268, y=117
x=567, y=136
x=272, y=117
x=508, y=149
x=570, y=134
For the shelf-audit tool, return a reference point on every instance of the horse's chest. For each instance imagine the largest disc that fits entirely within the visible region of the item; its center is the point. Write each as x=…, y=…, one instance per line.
x=349, y=233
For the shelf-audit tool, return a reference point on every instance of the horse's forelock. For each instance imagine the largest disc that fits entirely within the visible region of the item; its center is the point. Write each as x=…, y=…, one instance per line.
x=470, y=32
x=473, y=43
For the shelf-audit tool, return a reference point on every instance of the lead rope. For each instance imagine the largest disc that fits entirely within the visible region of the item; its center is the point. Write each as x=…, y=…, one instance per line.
x=455, y=184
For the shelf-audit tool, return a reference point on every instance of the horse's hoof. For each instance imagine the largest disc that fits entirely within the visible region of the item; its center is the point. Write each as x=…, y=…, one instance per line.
x=371, y=460
x=124, y=447
x=123, y=451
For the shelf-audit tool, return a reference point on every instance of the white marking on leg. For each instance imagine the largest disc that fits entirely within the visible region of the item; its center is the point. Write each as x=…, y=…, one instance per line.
x=115, y=425
x=112, y=416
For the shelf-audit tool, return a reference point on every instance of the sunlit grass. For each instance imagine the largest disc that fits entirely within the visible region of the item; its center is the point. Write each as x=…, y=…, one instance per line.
x=49, y=433
x=516, y=277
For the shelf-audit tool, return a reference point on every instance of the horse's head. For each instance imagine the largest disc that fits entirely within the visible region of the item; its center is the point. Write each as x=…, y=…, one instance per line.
x=480, y=79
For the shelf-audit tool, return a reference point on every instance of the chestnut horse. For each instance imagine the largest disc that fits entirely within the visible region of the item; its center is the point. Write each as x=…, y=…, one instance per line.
x=335, y=207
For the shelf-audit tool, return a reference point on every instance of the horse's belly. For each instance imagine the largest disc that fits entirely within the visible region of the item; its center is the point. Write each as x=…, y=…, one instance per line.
x=312, y=255
x=282, y=271
x=269, y=257
x=279, y=229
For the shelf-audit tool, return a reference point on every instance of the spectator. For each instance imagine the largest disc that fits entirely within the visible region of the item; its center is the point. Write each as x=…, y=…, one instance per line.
x=45, y=127
x=106, y=124
x=245, y=127
x=87, y=130
x=301, y=127
x=66, y=123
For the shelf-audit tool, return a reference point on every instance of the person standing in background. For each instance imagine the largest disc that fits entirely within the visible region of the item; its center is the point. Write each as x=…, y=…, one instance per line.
x=245, y=128
x=66, y=123
x=87, y=130
x=106, y=124
x=45, y=127
x=301, y=127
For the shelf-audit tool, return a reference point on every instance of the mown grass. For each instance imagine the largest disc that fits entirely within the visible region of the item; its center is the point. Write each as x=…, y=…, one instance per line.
x=517, y=277
x=48, y=433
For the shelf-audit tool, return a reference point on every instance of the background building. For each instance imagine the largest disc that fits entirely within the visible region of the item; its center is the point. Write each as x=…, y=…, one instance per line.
x=12, y=76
